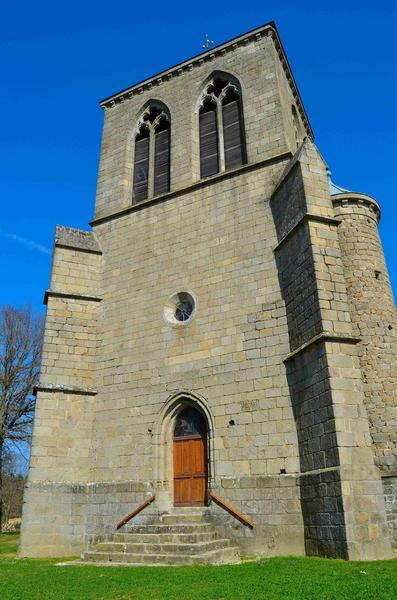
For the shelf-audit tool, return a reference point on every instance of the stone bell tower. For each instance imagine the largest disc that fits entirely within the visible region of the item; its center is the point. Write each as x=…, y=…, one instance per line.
x=220, y=347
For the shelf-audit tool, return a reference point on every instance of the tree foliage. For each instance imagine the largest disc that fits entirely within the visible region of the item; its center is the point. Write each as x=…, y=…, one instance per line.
x=13, y=483
x=21, y=338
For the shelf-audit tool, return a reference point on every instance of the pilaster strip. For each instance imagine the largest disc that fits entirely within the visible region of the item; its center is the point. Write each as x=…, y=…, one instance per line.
x=324, y=336
x=308, y=217
x=70, y=296
x=191, y=188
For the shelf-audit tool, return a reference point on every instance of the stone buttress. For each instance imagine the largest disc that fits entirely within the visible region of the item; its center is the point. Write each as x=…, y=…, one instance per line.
x=60, y=464
x=341, y=491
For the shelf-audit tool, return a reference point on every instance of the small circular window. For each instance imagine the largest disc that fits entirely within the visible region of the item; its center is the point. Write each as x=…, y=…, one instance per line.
x=180, y=309
x=184, y=310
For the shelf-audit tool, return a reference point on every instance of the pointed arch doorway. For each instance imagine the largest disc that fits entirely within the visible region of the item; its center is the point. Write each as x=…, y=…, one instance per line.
x=190, y=458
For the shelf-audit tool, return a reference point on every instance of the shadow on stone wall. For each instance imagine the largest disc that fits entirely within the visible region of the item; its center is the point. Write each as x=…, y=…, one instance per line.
x=308, y=375
x=320, y=485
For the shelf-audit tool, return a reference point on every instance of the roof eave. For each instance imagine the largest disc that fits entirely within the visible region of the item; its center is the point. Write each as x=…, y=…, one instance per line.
x=157, y=79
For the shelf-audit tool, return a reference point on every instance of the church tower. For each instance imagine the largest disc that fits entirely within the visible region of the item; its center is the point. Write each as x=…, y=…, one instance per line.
x=213, y=352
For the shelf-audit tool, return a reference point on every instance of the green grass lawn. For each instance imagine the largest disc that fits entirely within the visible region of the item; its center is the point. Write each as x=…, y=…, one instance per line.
x=269, y=579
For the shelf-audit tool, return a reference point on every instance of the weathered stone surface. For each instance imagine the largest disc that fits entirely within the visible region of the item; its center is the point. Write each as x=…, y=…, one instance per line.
x=323, y=372
x=272, y=356
x=374, y=318
x=390, y=491
x=76, y=238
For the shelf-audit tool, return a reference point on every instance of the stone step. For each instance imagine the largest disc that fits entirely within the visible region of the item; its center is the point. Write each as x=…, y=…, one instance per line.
x=161, y=549
x=177, y=538
x=203, y=527
x=164, y=538
x=182, y=519
x=189, y=510
x=219, y=556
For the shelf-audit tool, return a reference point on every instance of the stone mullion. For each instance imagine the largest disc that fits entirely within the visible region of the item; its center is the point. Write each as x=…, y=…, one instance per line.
x=221, y=142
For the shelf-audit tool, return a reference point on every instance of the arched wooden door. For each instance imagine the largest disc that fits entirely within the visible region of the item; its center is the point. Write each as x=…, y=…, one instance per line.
x=190, y=458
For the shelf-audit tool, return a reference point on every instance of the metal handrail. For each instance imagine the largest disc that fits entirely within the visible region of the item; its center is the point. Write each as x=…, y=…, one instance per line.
x=232, y=510
x=134, y=512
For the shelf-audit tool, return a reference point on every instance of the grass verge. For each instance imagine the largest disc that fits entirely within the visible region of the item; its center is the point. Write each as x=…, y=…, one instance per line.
x=287, y=578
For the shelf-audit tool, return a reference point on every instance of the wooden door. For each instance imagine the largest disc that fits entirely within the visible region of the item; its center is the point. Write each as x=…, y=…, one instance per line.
x=190, y=459
x=190, y=471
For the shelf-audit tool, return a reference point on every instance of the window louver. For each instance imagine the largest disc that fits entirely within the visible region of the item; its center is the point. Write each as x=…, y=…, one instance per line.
x=162, y=162
x=232, y=135
x=141, y=169
x=209, y=163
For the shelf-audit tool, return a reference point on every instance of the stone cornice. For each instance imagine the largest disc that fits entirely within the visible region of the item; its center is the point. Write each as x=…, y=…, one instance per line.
x=346, y=199
x=190, y=188
x=269, y=29
x=70, y=296
x=65, y=389
x=336, y=468
x=323, y=336
x=307, y=218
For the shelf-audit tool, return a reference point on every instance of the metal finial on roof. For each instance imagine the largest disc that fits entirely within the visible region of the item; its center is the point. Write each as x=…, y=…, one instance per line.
x=208, y=43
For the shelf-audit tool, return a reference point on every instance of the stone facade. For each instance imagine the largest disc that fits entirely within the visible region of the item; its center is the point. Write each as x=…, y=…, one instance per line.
x=390, y=491
x=286, y=357
x=374, y=318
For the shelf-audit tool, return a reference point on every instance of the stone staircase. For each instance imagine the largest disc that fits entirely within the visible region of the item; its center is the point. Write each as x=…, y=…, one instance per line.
x=179, y=538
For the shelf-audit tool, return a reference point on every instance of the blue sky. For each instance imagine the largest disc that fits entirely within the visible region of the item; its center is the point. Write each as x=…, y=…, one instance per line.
x=58, y=60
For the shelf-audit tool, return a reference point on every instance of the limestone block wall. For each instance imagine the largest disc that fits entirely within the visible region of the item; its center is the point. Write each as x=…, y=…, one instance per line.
x=390, y=492
x=216, y=242
x=230, y=353
x=109, y=502
x=374, y=318
x=253, y=61
x=55, y=499
x=54, y=517
x=273, y=504
x=70, y=340
x=74, y=271
x=69, y=349
x=105, y=327
x=76, y=262
x=271, y=353
x=62, y=436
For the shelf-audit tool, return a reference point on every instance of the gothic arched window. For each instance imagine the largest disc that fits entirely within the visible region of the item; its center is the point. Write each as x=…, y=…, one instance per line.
x=209, y=159
x=190, y=422
x=152, y=153
x=141, y=164
x=222, y=144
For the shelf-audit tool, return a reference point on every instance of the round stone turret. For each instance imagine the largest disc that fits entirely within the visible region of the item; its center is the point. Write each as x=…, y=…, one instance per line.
x=373, y=316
